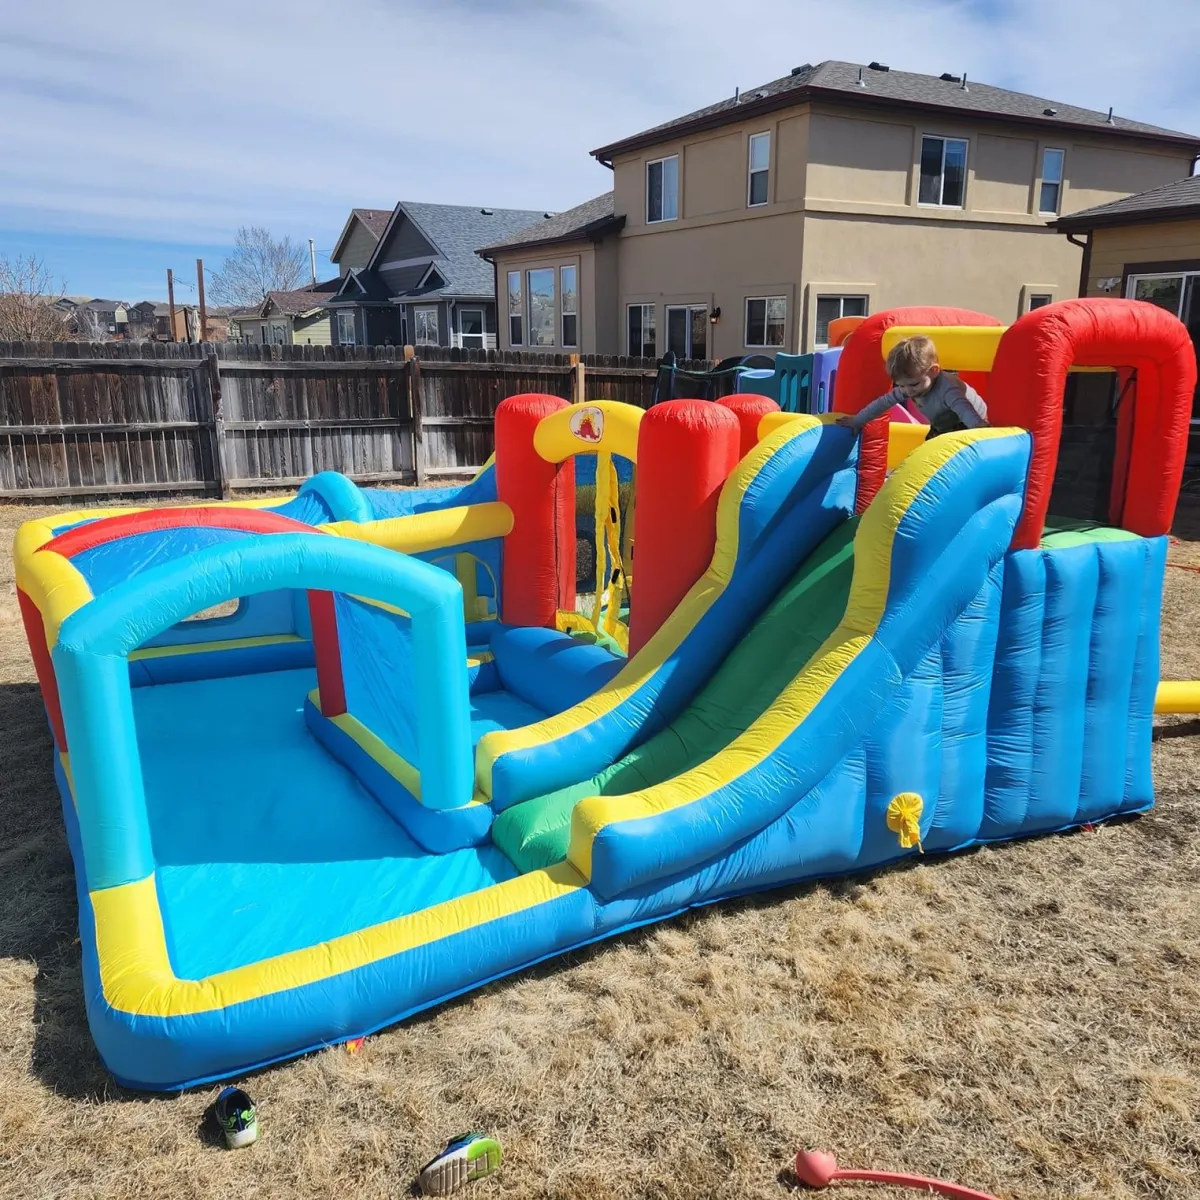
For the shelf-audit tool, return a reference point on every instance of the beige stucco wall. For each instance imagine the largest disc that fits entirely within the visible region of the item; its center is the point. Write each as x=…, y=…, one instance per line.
x=1115, y=251
x=989, y=268
x=358, y=249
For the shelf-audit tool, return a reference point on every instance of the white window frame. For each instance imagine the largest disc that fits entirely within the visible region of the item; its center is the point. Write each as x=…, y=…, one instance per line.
x=842, y=297
x=1058, y=183
x=519, y=314
x=654, y=319
x=655, y=162
x=562, y=306
x=945, y=140
x=763, y=345
x=352, y=340
x=1048, y=297
x=424, y=310
x=281, y=331
x=462, y=312
x=689, y=309
x=751, y=172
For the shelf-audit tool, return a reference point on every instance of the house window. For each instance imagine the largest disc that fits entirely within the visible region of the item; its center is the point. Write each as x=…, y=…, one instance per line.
x=766, y=317
x=345, y=329
x=1039, y=300
x=687, y=330
x=470, y=328
x=279, y=335
x=569, y=280
x=830, y=308
x=1052, y=173
x=264, y=332
x=662, y=189
x=943, y=172
x=541, y=306
x=1179, y=294
x=760, y=169
x=516, y=309
x=425, y=326
x=641, y=331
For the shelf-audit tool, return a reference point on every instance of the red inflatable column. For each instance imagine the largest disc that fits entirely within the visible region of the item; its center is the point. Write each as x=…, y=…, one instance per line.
x=749, y=410
x=686, y=450
x=539, y=554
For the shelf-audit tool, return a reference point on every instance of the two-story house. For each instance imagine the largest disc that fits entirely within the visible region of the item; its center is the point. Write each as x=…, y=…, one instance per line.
x=411, y=275
x=838, y=190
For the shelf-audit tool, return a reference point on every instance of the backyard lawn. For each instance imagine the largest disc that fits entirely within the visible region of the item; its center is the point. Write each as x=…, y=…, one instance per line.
x=1024, y=1018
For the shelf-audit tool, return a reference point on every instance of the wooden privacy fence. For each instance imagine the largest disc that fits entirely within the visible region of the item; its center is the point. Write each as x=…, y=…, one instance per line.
x=143, y=418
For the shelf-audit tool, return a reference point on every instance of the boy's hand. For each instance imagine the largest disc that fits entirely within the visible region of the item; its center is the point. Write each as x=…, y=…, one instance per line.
x=843, y=419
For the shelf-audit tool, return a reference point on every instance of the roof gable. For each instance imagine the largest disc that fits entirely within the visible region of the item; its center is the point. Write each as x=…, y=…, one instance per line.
x=877, y=85
x=592, y=218
x=373, y=220
x=447, y=235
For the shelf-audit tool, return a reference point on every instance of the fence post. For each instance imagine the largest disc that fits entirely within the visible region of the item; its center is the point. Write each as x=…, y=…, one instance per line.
x=580, y=378
x=413, y=367
x=220, y=466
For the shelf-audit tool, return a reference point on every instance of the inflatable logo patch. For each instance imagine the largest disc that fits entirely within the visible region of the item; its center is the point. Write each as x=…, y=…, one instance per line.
x=588, y=424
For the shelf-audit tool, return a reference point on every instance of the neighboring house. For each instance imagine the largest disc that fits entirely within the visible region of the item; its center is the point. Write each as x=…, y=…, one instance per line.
x=108, y=318
x=141, y=322
x=422, y=282
x=1145, y=247
x=359, y=237
x=838, y=190
x=295, y=318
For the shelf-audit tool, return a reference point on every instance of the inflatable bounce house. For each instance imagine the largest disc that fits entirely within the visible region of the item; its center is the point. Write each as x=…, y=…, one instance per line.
x=328, y=762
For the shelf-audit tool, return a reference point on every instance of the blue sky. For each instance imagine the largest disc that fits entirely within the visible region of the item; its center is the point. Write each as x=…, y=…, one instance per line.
x=130, y=145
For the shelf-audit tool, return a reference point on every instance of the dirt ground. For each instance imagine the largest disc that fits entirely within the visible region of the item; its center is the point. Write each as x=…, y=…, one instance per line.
x=1024, y=1019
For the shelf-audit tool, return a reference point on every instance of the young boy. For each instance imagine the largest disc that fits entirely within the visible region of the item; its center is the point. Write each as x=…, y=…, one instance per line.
x=943, y=398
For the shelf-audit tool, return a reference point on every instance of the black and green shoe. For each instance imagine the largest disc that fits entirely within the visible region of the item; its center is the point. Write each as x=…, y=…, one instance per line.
x=464, y=1160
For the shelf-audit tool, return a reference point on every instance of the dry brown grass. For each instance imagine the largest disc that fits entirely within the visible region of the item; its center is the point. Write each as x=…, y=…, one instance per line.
x=1025, y=1018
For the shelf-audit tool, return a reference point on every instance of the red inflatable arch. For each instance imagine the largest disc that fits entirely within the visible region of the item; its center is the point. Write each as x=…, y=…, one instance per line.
x=1029, y=377
x=862, y=377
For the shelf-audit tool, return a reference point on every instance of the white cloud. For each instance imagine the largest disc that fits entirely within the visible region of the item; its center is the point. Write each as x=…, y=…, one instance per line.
x=204, y=118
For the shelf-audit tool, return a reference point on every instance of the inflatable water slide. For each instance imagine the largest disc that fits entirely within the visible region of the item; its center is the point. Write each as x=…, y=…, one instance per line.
x=330, y=761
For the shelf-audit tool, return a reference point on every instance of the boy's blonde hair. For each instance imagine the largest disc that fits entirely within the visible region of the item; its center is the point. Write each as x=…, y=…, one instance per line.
x=912, y=358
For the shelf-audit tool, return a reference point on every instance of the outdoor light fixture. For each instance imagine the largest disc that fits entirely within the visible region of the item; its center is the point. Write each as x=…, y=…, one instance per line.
x=714, y=316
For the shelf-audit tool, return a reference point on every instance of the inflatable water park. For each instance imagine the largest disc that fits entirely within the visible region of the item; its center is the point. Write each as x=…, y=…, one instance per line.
x=328, y=761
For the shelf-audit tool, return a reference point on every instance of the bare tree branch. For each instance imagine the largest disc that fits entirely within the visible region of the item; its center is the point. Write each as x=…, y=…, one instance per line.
x=27, y=302
x=259, y=264
x=90, y=326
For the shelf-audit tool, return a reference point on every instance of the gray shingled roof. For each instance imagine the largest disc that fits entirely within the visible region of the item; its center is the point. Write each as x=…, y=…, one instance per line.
x=839, y=80
x=458, y=231
x=1173, y=200
x=591, y=216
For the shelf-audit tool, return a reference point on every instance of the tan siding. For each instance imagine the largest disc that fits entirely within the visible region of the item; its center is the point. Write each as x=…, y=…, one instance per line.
x=607, y=301
x=856, y=160
x=357, y=249
x=629, y=188
x=791, y=158
x=718, y=265
x=1114, y=250
x=314, y=331
x=1004, y=174
x=1099, y=174
x=900, y=262
x=715, y=171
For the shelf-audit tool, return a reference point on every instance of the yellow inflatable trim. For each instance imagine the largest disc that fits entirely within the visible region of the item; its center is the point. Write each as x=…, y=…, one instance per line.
x=422, y=532
x=1178, y=696
x=959, y=347
x=135, y=968
x=273, y=639
x=595, y=427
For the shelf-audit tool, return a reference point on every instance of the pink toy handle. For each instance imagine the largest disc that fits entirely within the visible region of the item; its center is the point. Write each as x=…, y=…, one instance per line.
x=898, y=1179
